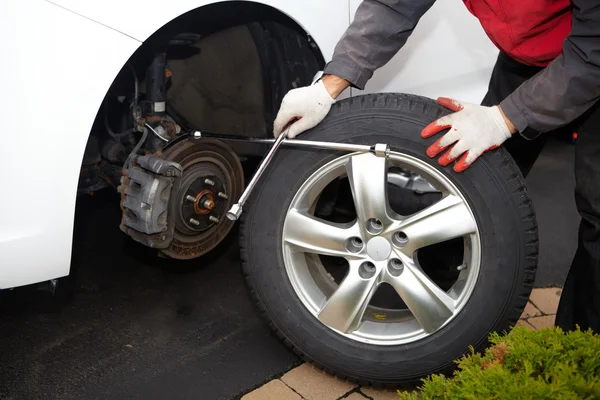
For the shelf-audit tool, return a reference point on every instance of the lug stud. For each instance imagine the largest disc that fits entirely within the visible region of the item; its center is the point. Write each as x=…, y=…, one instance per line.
x=223, y=195
x=190, y=198
x=214, y=219
x=209, y=182
x=194, y=221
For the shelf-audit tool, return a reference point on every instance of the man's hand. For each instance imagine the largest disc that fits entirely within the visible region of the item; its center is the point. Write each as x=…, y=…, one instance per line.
x=308, y=104
x=475, y=129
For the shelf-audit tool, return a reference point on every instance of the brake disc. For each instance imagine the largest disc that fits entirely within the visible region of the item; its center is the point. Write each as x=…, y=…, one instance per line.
x=211, y=180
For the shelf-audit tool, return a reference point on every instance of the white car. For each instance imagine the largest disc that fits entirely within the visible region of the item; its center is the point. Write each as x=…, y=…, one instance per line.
x=124, y=95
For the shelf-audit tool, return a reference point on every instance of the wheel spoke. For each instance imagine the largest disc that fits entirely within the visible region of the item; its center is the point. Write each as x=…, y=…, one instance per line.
x=430, y=305
x=367, y=175
x=345, y=308
x=447, y=219
x=313, y=235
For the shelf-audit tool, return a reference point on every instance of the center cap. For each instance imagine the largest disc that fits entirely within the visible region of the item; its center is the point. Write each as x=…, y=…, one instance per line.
x=379, y=249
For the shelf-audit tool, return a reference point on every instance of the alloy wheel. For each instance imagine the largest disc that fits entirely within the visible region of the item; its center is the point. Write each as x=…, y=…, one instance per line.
x=379, y=247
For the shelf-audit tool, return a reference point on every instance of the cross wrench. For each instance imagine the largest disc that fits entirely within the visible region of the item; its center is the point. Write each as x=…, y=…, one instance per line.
x=236, y=210
x=380, y=150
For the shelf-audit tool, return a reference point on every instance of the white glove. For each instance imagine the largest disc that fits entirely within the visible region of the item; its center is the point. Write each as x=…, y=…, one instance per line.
x=310, y=104
x=475, y=129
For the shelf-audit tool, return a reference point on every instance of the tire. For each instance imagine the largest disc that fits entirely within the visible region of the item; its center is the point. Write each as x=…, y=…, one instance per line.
x=494, y=190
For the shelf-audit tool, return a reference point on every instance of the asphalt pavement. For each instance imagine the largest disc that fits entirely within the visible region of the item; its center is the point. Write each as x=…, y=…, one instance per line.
x=138, y=326
x=143, y=327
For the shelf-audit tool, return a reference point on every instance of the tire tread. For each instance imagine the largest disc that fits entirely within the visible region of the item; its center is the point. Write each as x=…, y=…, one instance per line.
x=515, y=184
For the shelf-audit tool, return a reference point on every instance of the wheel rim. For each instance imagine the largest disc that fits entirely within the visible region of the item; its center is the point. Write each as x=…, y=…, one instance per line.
x=379, y=247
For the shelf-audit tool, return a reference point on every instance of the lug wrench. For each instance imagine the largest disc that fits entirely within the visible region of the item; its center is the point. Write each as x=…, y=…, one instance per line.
x=236, y=210
x=380, y=150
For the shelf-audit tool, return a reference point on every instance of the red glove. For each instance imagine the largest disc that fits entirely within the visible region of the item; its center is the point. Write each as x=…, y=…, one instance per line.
x=474, y=129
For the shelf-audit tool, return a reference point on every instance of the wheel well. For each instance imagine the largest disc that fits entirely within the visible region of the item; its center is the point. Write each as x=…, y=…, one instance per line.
x=253, y=54
x=228, y=65
x=231, y=63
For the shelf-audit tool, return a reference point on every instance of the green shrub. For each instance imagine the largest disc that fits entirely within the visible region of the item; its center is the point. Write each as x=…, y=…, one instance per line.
x=524, y=364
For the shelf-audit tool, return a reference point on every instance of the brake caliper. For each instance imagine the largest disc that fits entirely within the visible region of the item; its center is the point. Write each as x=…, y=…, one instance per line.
x=145, y=191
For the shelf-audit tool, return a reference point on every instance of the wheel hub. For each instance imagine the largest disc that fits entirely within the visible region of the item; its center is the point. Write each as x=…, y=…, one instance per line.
x=204, y=202
x=200, y=205
x=379, y=248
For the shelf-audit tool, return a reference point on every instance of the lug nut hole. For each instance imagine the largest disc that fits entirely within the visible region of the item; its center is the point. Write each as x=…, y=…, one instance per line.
x=395, y=267
x=374, y=226
x=366, y=270
x=354, y=244
x=400, y=239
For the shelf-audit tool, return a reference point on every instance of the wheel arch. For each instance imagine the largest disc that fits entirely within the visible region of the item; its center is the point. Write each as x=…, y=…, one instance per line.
x=74, y=53
x=213, y=17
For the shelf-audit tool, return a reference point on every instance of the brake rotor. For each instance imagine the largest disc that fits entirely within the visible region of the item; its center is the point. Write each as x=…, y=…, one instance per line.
x=211, y=181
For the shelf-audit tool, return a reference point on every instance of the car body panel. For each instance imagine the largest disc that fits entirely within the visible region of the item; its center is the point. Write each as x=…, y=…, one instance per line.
x=64, y=59
x=56, y=70
x=325, y=21
x=448, y=54
x=464, y=56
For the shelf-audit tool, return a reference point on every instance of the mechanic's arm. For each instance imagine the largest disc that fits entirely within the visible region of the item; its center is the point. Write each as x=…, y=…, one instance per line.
x=569, y=86
x=379, y=29
x=556, y=96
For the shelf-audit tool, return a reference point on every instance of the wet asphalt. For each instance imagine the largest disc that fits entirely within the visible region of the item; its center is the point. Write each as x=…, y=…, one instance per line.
x=138, y=326
x=143, y=327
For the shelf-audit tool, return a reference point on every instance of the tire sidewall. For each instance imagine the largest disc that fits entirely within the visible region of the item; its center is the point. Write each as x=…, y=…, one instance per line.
x=499, y=279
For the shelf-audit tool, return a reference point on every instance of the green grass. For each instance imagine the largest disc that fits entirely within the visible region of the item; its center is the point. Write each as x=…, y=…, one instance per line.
x=524, y=364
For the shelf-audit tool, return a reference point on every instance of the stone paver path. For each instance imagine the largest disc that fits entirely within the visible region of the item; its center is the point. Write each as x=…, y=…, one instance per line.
x=307, y=382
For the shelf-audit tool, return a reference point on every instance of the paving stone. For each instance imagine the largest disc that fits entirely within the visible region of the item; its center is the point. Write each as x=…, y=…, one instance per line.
x=524, y=323
x=357, y=396
x=314, y=384
x=380, y=394
x=546, y=300
x=530, y=311
x=273, y=390
x=546, y=321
